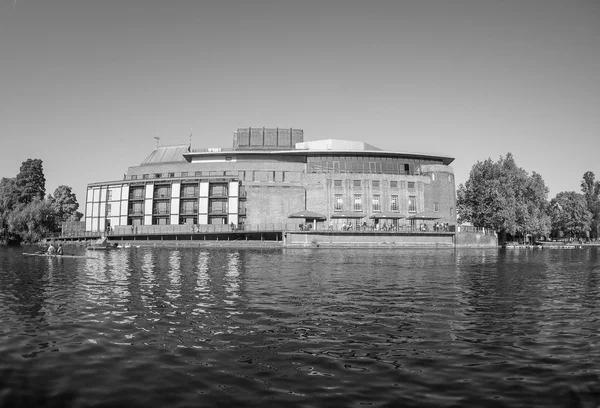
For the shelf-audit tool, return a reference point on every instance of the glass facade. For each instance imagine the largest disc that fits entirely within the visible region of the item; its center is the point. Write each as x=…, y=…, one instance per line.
x=366, y=164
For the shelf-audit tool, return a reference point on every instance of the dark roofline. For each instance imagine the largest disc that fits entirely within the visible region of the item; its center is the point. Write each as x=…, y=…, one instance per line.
x=304, y=152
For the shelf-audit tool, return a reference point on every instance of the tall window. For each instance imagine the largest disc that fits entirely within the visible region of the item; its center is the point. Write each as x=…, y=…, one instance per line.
x=411, y=185
x=338, y=203
x=356, y=183
x=357, y=202
x=394, y=203
x=108, y=209
x=376, y=202
x=412, y=204
x=109, y=195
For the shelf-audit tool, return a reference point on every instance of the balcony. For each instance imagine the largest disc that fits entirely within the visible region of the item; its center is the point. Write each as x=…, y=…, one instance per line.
x=136, y=197
x=161, y=212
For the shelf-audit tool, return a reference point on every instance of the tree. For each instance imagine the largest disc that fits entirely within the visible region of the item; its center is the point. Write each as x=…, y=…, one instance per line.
x=31, y=181
x=570, y=214
x=33, y=221
x=502, y=196
x=591, y=193
x=64, y=203
x=9, y=198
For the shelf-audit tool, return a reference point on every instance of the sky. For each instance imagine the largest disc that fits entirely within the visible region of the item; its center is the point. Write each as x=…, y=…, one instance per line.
x=86, y=85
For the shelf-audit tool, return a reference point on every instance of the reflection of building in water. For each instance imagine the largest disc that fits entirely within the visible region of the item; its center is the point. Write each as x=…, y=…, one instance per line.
x=232, y=280
x=148, y=280
x=174, y=275
x=204, y=297
x=268, y=175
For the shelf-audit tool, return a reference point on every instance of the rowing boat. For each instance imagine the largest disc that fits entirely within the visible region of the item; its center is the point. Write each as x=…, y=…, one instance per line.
x=58, y=256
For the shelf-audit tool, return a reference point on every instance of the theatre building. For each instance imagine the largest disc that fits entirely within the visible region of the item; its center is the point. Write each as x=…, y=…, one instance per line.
x=272, y=178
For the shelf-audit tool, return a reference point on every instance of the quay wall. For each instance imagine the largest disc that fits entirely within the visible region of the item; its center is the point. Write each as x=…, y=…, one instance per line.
x=476, y=239
x=358, y=240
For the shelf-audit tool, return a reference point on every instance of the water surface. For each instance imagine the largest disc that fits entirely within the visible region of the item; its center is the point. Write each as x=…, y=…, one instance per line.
x=185, y=327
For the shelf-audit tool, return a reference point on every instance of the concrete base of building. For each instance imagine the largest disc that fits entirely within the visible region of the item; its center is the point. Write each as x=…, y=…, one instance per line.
x=368, y=240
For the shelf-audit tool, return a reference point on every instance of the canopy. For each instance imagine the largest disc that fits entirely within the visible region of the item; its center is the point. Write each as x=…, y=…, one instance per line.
x=348, y=214
x=308, y=215
x=425, y=215
x=387, y=215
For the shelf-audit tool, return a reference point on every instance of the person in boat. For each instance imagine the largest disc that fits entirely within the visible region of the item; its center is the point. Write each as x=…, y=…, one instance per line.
x=51, y=249
x=59, y=251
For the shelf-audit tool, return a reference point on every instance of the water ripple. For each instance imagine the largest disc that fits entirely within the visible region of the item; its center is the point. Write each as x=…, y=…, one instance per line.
x=187, y=327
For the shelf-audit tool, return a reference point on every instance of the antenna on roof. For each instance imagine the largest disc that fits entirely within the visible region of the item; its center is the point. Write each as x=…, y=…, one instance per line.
x=190, y=145
x=157, y=139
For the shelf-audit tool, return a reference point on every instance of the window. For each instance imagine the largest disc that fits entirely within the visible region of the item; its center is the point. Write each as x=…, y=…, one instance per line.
x=411, y=185
x=433, y=177
x=162, y=192
x=184, y=174
x=376, y=202
x=412, y=204
x=189, y=190
x=146, y=176
x=393, y=184
x=107, y=209
x=136, y=209
x=109, y=195
x=188, y=207
x=218, y=190
x=357, y=183
x=436, y=207
x=161, y=208
x=338, y=203
x=198, y=173
x=337, y=183
x=449, y=178
x=406, y=168
x=372, y=167
x=171, y=174
x=157, y=175
x=375, y=183
x=394, y=203
x=357, y=202
x=227, y=158
x=134, y=177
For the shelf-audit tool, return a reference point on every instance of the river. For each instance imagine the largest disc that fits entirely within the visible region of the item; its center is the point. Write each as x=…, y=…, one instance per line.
x=183, y=327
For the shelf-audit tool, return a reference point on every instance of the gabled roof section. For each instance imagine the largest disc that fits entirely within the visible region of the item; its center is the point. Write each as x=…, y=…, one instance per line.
x=167, y=154
x=336, y=144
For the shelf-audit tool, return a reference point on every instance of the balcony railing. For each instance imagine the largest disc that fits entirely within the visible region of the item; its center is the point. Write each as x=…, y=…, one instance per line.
x=136, y=197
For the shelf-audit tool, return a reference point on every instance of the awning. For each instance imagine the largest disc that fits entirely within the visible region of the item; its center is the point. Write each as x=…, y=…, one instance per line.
x=308, y=215
x=348, y=214
x=425, y=215
x=387, y=215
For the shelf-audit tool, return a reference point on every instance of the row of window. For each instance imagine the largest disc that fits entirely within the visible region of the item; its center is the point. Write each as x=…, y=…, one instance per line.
x=185, y=208
x=377, y=184
x=187, y=191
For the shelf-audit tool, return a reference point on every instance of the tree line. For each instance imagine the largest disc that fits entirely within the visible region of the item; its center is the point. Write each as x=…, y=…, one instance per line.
x=504, y=197
x=26, y=213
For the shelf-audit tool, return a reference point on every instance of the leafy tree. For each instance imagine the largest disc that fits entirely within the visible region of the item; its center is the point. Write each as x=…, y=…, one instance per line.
x=31, y=181
x=591, y=193
x=9, y=198
x=33, y=221
x=64, y=203
x=570, y=214
x=502, y=196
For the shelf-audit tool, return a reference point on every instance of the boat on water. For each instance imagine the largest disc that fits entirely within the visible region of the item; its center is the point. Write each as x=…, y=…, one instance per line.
x=101, y=244
x=55, y=255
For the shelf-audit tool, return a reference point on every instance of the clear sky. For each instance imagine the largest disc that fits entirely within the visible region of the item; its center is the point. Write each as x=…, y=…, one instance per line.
x=85, y=85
